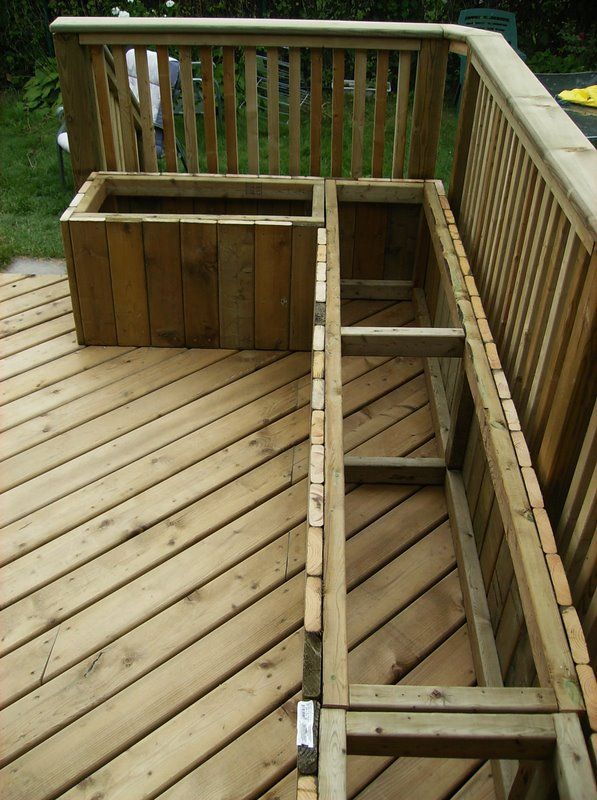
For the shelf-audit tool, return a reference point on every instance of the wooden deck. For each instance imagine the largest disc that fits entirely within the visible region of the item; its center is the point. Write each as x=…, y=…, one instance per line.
x=152, y=563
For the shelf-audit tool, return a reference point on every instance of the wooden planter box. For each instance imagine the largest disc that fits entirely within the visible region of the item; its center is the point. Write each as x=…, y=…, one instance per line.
x=186, y=261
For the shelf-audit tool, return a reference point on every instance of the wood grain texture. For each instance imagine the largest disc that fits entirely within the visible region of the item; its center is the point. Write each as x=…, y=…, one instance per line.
x=129, y=285
x=209, y=109
x=236, y=257
x=161, y=247
x=200, y=284
x=273, y=253
x=302, y=286
x=94, y=287
x=230, y=110
x=424, y=137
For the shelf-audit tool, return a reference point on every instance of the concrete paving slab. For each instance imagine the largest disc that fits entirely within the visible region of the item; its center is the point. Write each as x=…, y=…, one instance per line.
x=36, y=266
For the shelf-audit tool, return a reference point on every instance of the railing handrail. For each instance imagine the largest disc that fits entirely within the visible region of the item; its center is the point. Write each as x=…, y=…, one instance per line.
x=244, y=26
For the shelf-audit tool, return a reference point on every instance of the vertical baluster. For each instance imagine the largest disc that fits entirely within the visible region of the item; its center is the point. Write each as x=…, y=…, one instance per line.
x=230, y=110
x=252, y=111
x=464, y=134
x=125, y=110
x=294, y=113
x=381, y=101
x=167, y=110
x=486, y=162
x=273, y=111
x=115, y=114
x=501, y=221
x=358, y=112
x=472, y=180
x=402, y=93
x=102, y=91
x=209, y=109
x=150, y=161
x=493, y=203
x=337, y=113
x=316, y=109
x=188, y=109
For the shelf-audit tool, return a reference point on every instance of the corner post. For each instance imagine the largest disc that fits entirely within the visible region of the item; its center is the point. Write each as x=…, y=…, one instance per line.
x=427, y=109
x=80, y=107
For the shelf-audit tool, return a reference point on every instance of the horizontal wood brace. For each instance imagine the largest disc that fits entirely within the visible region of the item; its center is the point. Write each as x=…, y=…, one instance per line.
x=422, y=342
x=445, y=699
x=376, y=290
x=384, y=469
x=206, y=39
x=450, y=735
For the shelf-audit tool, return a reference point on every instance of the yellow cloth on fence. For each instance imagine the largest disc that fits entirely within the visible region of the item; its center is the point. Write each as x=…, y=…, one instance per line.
x=583, y=97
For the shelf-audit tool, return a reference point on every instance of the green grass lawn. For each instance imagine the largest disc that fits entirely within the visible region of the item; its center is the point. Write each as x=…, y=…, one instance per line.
x=32, y=198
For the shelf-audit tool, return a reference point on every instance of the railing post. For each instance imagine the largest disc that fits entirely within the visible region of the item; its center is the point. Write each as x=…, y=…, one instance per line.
x=80, y=108
x=427, y=109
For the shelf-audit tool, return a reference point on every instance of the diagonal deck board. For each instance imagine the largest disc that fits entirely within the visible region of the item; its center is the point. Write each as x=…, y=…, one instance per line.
x=47, y=293
x=153, y=568
x=16, y=285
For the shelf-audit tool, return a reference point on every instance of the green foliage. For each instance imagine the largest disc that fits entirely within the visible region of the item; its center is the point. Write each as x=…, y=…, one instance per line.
x=570, y=52
x=555, y=34
x=42, y=90
x=24, y=39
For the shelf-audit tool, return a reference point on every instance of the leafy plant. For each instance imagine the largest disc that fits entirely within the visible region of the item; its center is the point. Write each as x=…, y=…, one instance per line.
x=43, y=89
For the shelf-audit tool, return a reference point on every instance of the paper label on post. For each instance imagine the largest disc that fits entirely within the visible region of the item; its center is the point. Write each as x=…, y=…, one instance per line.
x=305, y=716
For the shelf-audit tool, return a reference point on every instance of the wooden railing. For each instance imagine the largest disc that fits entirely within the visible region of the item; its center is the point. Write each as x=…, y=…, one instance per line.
x=523, y=184
x=110, y=131
x=525, y=198
x=522, y=190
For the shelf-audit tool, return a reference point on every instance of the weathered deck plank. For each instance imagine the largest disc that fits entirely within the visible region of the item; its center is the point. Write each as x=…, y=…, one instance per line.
x=154, y=568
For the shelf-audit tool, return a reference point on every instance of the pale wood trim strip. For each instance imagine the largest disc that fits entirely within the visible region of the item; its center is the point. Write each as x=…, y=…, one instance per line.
x=574, y=773
x=335, y=644
x=447, y=699
x=332, y=754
